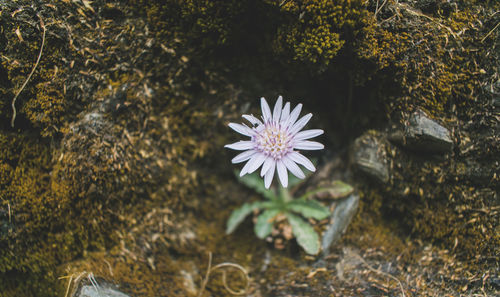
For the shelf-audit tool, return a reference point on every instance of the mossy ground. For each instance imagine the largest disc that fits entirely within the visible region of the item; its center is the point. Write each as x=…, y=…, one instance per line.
x=114, y=165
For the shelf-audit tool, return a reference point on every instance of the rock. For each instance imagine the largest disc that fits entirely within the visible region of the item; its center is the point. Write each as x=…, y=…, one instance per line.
x=423, y=134
x=339, y=220
x=189, y=282
x=99, y=290
x=369, y=156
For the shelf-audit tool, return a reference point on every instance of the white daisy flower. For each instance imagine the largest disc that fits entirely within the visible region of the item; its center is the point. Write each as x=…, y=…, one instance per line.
x=274, y=142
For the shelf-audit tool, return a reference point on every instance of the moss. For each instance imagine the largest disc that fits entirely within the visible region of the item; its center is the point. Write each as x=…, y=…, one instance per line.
x=49, y=107
x=212, y=20
x=73, y=199
x=436, y=201
x=48, y=221
x=138, y=276
x=42, y=105
x=454, y=225
x=23, y=191
x=428, y=67
x=206, y=25
x=430, y=58
x=318, y=30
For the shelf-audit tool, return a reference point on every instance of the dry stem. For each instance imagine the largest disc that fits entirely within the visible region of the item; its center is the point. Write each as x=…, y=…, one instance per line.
x=224, y=281
x=489, y=33
x=29, y=76
x=415, y=12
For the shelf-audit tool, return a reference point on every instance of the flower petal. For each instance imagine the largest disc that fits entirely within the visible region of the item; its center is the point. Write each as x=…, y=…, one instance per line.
x=294, y=169
x=243, y=156
x=300, y=123
x=269, y=175
x=299, y=158
x=267, y=164
x=256, y=162
x=282, y=173
x=285, y=113
x=245, y=168
x=253, y=120
x=294, y=115
x=306, y=134
x=240, y=145
x=266, y=111
x=277, y=109
x=242, y=129
x=308, y=145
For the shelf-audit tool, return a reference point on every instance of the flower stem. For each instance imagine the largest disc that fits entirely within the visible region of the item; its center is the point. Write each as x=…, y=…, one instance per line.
x=285, y=195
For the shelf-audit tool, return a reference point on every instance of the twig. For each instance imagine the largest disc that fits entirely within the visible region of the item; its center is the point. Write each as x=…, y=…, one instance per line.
x=31, y=73
x=383, y=273
x=71, y=281
x=109, y=266
x=489, y=33
x=69, y=284
x=283, y=3
x=378, y=9
x=207, y=274
x=412, y=11
x=224, y=280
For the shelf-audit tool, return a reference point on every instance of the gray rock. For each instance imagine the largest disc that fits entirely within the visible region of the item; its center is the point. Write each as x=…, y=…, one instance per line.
x=344, y=211
x=100, y=290
x=424, y=134
x=369, y=155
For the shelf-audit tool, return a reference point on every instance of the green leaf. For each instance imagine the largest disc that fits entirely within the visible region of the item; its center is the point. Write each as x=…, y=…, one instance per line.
x=239, y=214
x=309, y=209
x=337, y=190
x=306, y=237
x=257, y=184
x=340, y=189
x=264, y=224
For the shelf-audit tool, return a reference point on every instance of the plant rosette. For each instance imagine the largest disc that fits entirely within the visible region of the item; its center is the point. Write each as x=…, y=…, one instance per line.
x=274, y=144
